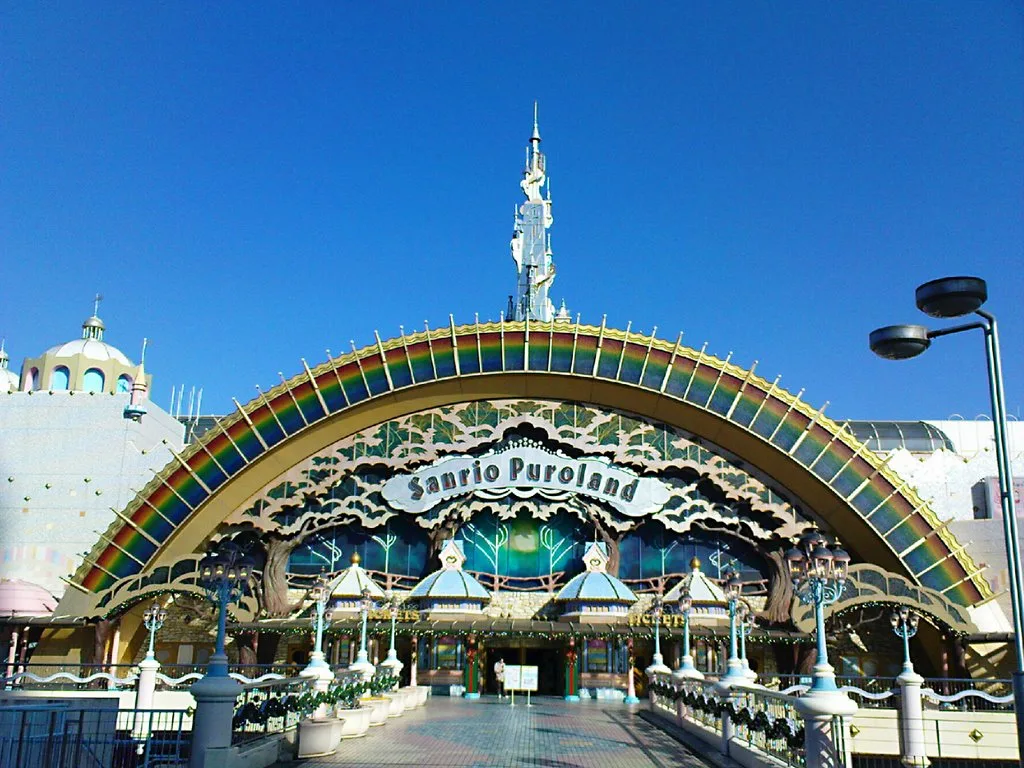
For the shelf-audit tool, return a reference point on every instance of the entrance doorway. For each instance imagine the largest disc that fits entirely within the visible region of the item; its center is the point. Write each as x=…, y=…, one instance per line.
x=547, y=658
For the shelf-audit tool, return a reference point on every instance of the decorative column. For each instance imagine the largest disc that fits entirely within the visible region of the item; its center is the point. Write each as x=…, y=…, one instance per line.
x=115, y=652
x=12, y=655
x=630, y=683
x=572, y=672
x=914, y=752
x=471, y=677
x=414, y=656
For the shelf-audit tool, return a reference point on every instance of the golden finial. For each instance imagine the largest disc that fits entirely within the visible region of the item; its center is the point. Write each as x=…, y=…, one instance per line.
x=355, y=558
x=695, y=564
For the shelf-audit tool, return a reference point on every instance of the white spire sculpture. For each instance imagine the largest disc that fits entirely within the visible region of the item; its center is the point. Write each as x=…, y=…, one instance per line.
x=531, y=244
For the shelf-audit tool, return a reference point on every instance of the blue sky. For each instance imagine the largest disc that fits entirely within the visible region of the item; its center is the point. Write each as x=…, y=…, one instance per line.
x=249, y=185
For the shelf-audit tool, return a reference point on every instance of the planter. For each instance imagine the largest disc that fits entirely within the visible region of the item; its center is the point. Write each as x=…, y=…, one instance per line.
x=354, y=722
x=396, y=704
x=419, y=693
x=379, y=709
x=318, y=737
x=411, y=697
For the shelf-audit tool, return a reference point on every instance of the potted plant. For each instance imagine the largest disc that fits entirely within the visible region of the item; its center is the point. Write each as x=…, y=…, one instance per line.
x=355, y=718
x=380, y=704
x=319, y=734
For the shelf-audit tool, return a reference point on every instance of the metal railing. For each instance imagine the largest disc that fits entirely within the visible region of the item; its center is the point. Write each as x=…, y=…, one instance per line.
x=57, y=736
x=768, y=722
x=268, y=707
x=34, y=676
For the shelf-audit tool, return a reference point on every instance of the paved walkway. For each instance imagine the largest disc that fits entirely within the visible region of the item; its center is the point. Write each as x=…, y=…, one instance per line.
x=487, y=732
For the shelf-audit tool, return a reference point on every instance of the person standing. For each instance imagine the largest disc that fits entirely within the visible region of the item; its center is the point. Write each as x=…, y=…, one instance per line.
x=499, y=675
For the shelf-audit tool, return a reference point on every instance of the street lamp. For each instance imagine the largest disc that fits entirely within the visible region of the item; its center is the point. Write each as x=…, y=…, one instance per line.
x=392, y=662
x=734, y=667
x=657, y=660
x=950, y=297
x=904, y=624
x=321, y=620
x=153, y=618
x=746, y=626
x=819, y=576
x=362, y=663
x=224, y=573
x=686, y=668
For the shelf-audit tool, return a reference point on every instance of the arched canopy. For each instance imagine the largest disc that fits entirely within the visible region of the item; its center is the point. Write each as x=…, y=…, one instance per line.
x=837, y=477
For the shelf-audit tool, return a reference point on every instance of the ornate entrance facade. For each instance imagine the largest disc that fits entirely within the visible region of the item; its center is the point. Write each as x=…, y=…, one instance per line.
x=524, y=442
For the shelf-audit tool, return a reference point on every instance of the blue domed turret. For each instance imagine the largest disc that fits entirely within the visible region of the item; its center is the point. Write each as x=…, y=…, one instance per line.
x=450, y=589
x=595, y=593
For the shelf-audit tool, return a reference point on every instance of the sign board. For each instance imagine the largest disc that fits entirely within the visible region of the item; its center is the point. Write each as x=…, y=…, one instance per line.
x=520, y=678
x=531, y=467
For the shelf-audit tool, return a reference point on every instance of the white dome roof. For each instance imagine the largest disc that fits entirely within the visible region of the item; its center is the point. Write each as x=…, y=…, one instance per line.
x=91, y=349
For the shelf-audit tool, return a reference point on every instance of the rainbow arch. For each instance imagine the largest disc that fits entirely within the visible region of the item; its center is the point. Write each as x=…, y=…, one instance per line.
x=753, y=418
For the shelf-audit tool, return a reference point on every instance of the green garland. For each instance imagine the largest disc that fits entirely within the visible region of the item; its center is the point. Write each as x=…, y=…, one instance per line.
x=758, y=722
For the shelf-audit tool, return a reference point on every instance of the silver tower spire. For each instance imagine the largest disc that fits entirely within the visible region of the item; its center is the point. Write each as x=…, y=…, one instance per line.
x=531, y=245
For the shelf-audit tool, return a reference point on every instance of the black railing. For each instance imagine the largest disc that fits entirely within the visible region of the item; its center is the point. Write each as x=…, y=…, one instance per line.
x=48, y=736
x=268, y=708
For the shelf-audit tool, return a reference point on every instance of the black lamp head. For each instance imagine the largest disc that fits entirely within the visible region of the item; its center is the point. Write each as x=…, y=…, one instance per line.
x=951, y=296
x=899, y=342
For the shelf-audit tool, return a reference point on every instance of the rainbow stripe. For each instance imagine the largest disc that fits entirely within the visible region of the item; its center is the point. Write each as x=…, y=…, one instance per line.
x=816, y=443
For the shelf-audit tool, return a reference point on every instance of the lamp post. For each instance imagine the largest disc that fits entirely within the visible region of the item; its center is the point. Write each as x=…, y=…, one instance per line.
x=686, y=668
x=153, y=618
x=904, y=624
x=950, y=297
x=819, y=576
x=914, y=751
x=224, y=574
x=746, y=625
x=734, y=672
x=318, y=668
x=362, y=663
x=657, y=660
x=392, y=662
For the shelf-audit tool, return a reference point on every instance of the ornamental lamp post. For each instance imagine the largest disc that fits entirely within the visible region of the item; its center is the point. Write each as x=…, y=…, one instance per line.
x=686, y=668
x=362, y=663
x=392, y=662
x=224, y=574
x=732, y=587
x=950, y=297
x=746, y=626
x=904, y=624
x=657, y=660
x=915, y=753
x=153, y=618
x=318, y=668
x=819, y=577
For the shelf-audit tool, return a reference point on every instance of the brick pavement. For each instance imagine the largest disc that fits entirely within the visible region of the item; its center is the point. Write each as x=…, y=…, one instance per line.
x=485, y=733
